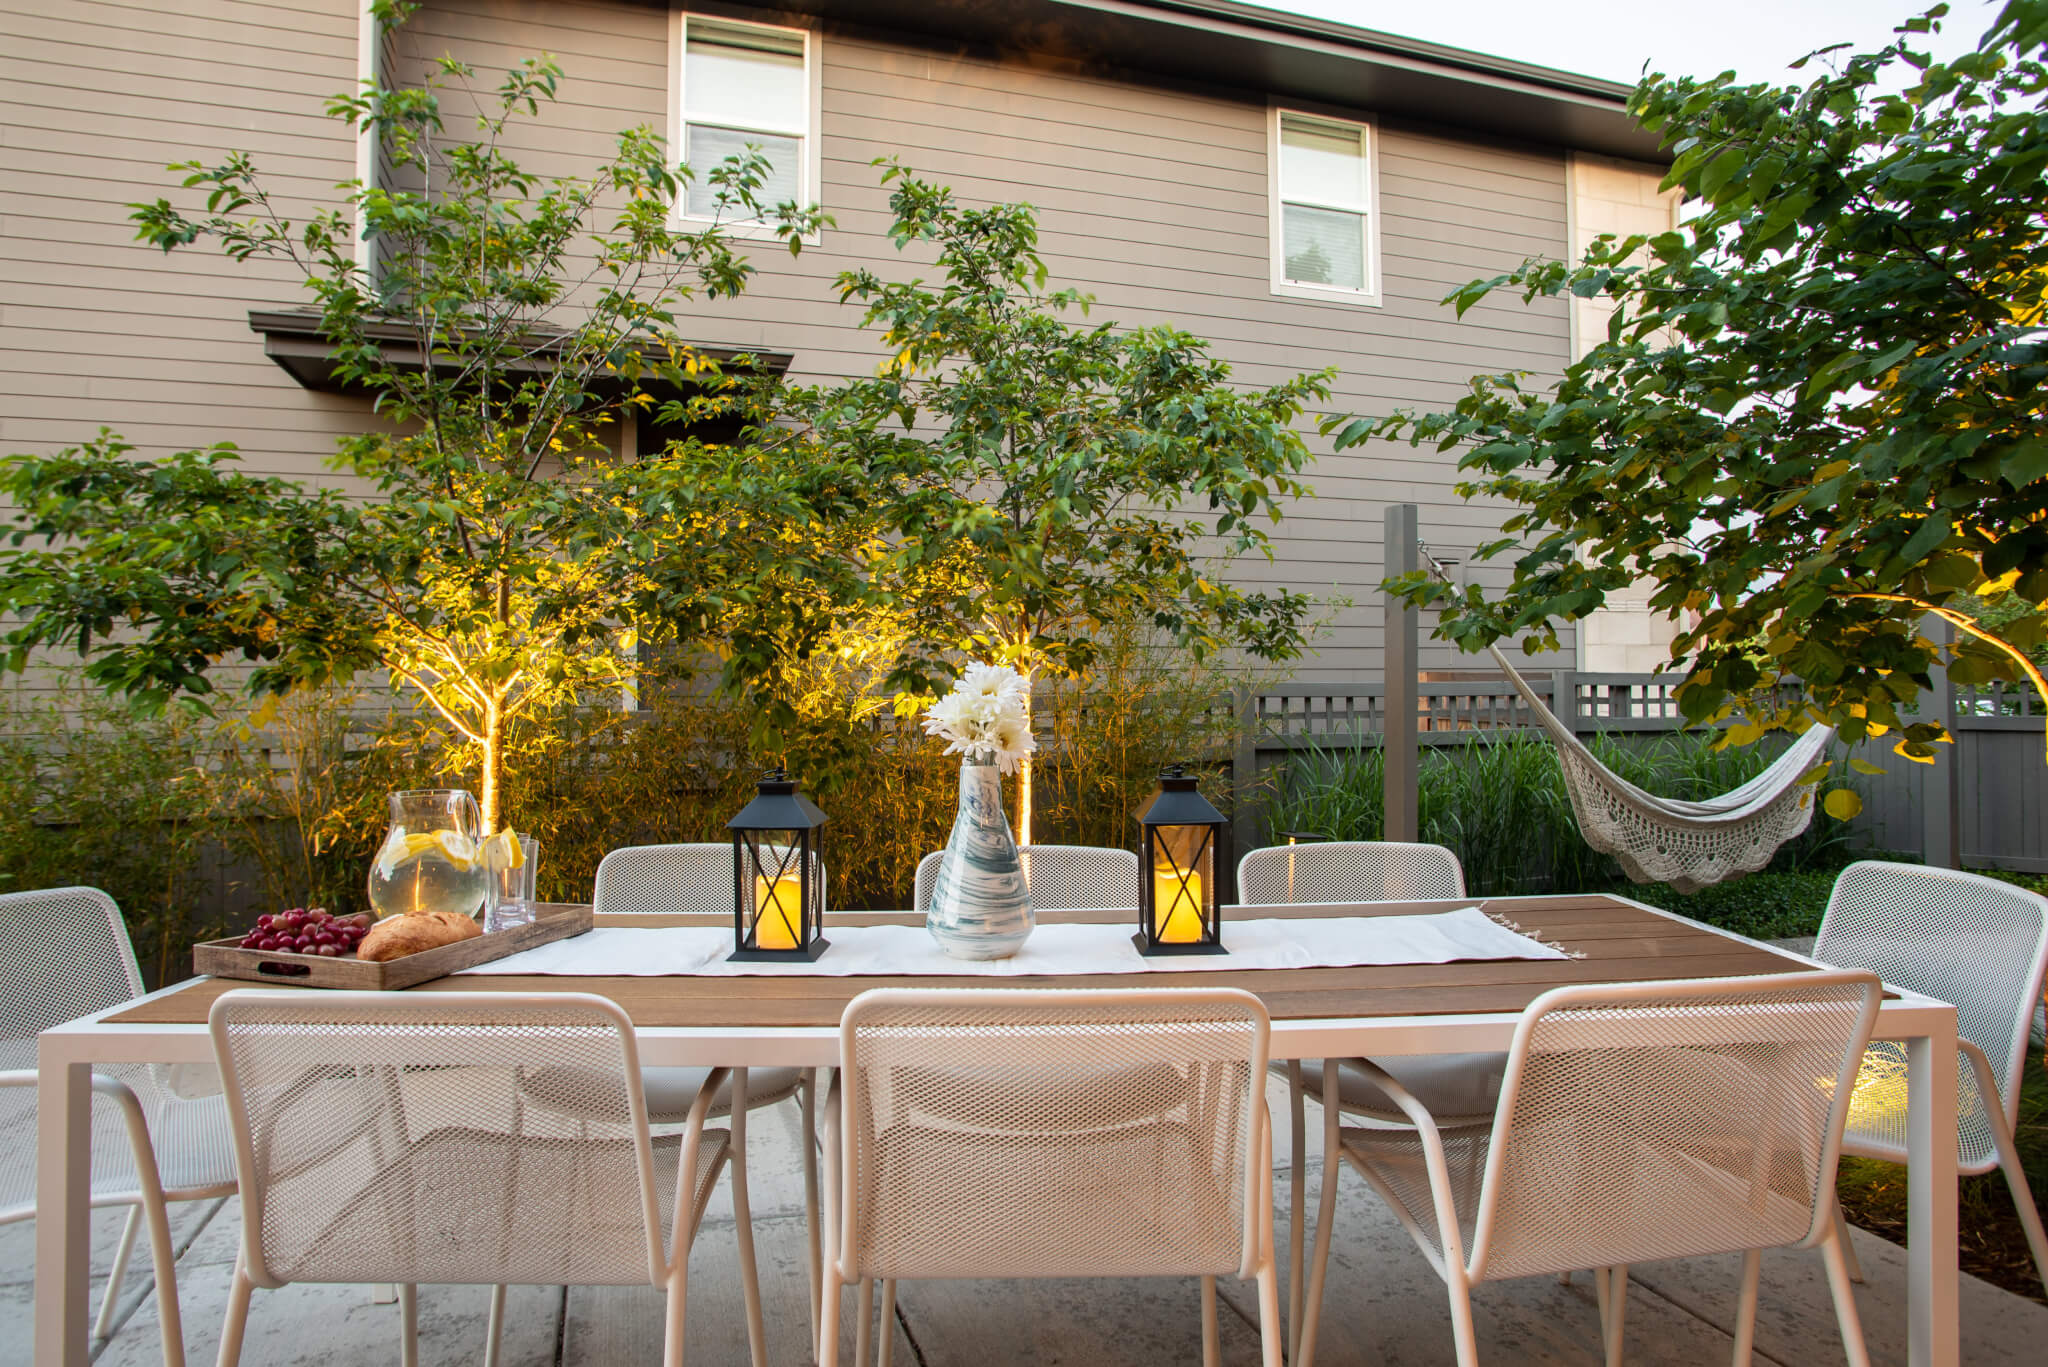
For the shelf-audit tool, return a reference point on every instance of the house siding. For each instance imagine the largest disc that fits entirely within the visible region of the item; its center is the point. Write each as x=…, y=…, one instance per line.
x=98, y=329
x=1153, y=198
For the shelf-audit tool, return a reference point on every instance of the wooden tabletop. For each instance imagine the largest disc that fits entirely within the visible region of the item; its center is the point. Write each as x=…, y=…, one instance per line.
x=1619, y=942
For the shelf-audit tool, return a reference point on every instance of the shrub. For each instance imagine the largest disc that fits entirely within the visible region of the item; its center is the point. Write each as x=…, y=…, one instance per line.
x=92, y=793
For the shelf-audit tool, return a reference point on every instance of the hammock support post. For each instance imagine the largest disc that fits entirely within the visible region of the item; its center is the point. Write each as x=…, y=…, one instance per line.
x=1401, y=794
x=1941, y=802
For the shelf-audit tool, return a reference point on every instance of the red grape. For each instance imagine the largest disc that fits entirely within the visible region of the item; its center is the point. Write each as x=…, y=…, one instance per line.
x=324, y=937
x=266, y=942
x=263, y=921
x=329, y=951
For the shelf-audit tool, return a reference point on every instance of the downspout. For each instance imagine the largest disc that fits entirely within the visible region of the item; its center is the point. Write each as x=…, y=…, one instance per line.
x=369, y=73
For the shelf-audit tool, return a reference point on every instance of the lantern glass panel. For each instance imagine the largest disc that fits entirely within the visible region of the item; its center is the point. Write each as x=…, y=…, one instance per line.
x=1183, y=884
x=777, y=915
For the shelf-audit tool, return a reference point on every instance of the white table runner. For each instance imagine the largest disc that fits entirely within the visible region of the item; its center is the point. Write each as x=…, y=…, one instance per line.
x=1057, y=950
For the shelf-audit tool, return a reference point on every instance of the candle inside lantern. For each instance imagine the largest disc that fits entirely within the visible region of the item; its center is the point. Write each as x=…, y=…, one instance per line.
x=1177, y=907
x=775, y=912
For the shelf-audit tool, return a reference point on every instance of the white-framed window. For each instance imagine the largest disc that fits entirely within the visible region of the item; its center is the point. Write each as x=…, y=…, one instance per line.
x=733, y=84
x=1325, y=226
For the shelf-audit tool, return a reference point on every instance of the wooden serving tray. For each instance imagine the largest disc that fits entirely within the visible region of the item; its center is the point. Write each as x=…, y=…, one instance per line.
x=227, y=959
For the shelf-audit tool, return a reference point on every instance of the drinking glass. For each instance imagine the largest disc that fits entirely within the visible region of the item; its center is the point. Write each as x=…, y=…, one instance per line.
x=511, y=899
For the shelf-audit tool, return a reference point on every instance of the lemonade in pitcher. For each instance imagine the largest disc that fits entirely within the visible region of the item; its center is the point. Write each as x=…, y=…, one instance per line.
x=431, y=859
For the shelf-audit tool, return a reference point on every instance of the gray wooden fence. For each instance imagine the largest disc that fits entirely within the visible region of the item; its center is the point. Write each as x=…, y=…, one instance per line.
x=2003, y=812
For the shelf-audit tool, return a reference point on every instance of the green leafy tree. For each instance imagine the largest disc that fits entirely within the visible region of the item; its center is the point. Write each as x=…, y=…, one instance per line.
x=507, y=564
x=1031, y=482
x=1816, y=419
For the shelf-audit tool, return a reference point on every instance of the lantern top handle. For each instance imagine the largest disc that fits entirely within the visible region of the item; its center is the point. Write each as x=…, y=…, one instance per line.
x=1174, y=778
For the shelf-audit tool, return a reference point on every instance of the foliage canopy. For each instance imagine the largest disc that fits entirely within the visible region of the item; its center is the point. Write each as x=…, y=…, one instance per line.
x=1817, y=415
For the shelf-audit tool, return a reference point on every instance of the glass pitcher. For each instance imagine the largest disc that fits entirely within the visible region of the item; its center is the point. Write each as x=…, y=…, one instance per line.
x=430, y=860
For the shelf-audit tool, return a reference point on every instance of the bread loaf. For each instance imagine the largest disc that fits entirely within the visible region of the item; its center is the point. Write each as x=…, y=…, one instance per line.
x=394, y=937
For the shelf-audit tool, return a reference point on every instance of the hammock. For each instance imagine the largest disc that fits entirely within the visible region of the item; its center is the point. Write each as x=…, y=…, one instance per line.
x=1690, y=845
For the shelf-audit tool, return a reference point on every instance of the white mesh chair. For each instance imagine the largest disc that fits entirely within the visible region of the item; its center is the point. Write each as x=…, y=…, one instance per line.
x=1460, y=1085
x=1348, y=871
x=1008, y=1133
x=1961, y=938
x=1058, y=877
x=1636, y=1122
x=666, y=880
x=64, y=953
x=383, y=1137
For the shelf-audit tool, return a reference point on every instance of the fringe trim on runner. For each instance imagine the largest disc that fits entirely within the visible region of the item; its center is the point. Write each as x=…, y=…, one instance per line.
x=1539, y=937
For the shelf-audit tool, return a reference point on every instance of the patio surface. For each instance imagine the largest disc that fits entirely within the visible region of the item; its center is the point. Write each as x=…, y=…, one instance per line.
x=1384, y=1304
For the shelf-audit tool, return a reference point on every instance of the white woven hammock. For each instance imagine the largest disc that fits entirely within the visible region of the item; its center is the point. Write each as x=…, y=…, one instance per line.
x=1690, y=845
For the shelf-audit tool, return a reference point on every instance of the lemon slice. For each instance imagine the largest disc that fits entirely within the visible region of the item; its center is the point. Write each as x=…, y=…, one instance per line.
x=502, y=851
x=456, y=848
x=406, y=846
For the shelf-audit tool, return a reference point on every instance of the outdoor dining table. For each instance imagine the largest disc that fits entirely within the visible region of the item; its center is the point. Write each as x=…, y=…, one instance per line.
x=1317, y=1013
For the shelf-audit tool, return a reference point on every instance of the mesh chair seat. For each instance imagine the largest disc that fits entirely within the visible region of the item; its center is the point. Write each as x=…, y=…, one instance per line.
x=1456, y=1088
x=195, y=1155
x=1348, y=871
x=1057, y=878
x=660, y=880
x=554, y=1244
x=1877, y=1115
x=670, y=1091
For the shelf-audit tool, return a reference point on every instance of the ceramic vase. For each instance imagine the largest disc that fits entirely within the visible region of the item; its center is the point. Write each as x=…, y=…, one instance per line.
x=979, y=909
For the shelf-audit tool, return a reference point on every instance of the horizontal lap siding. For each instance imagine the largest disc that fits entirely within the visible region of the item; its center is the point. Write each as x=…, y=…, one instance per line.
x=98, y=329
x=1153, y=200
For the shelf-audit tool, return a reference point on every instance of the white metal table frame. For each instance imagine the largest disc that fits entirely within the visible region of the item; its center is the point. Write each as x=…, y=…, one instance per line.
x=67, y=1054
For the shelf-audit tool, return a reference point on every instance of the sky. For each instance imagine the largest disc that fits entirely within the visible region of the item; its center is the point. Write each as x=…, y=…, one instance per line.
x=1757, y=39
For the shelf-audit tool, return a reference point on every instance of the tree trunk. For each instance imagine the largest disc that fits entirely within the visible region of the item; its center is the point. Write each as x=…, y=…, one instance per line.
x=1024, y=787
x=492, y=796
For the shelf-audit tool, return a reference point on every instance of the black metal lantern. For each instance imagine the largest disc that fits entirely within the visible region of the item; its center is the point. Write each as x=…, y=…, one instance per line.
x=1177, y=908
x=777, y=888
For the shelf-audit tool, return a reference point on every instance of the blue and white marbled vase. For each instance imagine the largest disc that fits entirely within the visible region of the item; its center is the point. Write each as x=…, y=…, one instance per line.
x=979, y=909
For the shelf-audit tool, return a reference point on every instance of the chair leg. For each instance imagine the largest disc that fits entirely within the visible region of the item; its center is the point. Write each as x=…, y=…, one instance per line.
x=494, y=1327
x=743, y=1221
x=165, y=1272
x=237, y=1321
x=1745, y=1308
x=1617, y=1313
x=1846, y=1318
x=1464, y=1340
x=409, y=1325
x=1326, y=1215
x=829, y=1288
x=1855, y=1264
x=1297, y=1203
x=809, y=1107
x=1212, y=1345
x=675, y=1311
x=104, y=1324
x=885, y=1351
x=863, y=1321
x=2022, y=1194
x=1271, y=1332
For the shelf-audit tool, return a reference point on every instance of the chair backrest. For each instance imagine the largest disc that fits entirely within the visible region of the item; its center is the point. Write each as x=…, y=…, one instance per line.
x=664, y=879
x=1667, y=1120
x=1348, y=871
x=1057, y=877
x=1053, y=1133
x=1957, y=937
x=64, y=953
x=387, y=1137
